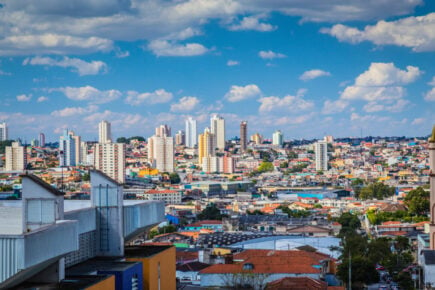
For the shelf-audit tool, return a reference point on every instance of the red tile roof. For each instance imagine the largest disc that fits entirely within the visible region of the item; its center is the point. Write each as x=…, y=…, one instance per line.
x=155, y=191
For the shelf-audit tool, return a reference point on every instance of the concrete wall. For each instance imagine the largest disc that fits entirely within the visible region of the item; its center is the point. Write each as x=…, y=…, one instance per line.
x=142, y=215
x=106, y=284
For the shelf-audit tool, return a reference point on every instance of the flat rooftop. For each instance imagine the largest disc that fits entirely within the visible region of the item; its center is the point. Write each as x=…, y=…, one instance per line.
x=69, y=283
x=145, y=251
x=92, y=266
x=71, y=205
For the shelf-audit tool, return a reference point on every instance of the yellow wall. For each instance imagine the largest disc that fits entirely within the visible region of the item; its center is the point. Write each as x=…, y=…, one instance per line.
x=150, y=265
x=106, y=284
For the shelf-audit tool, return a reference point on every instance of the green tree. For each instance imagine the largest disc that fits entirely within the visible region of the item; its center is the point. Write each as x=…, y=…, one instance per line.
x=376, y=190
x=283, y=165
x=363, y=272
x=349, y=223
x=211, y=212
x=265, y=167
x=3, y=145
x=292, y=155
x=122, y=140
x=254, y=212
x=174, y=177
x=417, y=201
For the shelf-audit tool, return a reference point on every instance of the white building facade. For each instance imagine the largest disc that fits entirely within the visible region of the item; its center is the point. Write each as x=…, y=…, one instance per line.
x=110, y=159
x=15, y=157
x=191, y=133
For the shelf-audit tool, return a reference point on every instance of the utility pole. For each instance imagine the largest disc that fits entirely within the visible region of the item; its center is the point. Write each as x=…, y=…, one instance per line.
x=350, y=271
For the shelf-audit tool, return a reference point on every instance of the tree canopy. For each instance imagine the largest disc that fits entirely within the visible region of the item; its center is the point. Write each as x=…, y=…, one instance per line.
x=417, y=201
x=376, y=190
x=211, y=212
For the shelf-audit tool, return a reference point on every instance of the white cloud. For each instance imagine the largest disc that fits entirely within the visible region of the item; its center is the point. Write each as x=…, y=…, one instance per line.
x=396, y=106
x=252, y=23
x=417, y=33
x=418, y=121
x=80, y=66
x=430, y=95
x=333, y=107
x=3, y=73
x=387, y=74
x=371, y=94
x=355, y=117
x=285, y=104
x=432, y=82
x=185, y=104
x=270, y=54
x=90, y=94
x=157, y=97
x=50, y=43
x=74, y=111
x=42, y=99
x=168, y=48
x=313, y=74
x=24, y=98
x=232, y=63
x=239, y=93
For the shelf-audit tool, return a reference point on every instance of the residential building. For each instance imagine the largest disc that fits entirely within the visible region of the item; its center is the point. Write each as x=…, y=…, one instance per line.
x=161, y=153
x=278, y=138
x=16, y=157
x=217, y=128
x=228, y=165
x=257, y=139
x=321, y=151
x=67, y=150
x=110, y=159
x=168, y=196
x=180, y=138
x=243, y=135
x=3, y=131
x=42, y=139
x=163, y=131
x=104, y=132
x=77, y=147
x=191, y=133
x=206, y=146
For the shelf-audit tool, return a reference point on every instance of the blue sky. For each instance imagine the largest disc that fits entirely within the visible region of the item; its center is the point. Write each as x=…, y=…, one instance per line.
x=307, y=68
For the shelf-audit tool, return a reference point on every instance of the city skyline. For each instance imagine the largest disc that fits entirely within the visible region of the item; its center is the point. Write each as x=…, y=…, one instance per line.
x=307, y=70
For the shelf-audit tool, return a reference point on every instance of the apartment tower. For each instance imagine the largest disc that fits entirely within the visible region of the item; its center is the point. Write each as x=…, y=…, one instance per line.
x=243, y=135
x=104, y=132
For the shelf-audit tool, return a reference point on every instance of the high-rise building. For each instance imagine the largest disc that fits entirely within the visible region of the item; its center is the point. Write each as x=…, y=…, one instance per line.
x=42, y=139
x=257, y=138
x=228, y=164
x=3, y=131
x=163, y=131
x=110, y=159
x=217, y=127
x=16, y=157
x=206, y=146
x=191, y=133
x=277, y=138
x=67, y=150
x=84, y=154
x=161, y=153
x=34, y=143
x=321, y=151
x=180, y=138
x=432, y=188
x=243, y=135
x=78, y=152
x=104, y=132
x=329, y=139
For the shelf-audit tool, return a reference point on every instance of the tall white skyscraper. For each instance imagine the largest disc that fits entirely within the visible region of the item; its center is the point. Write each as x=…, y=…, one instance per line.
x=67, y=150
x=16, y=158
x=42, y=139
x=277, y=138
x=161, y=153
x=3, y=131
x=217, y=127
x=191, y=133
x=110, y=159
x=104, y=132
x=163, y=131
x=321, y=150
x=78, y=153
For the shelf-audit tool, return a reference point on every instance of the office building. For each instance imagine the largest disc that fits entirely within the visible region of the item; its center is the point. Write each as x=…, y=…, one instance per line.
x=16, y=157
x=206, y=146
x=217, y=128
x=41, y=139
x=243, y=135
x=278, y=138
x=321, y=151
x=191, y=133
x=163, y=131
x=161, y=153
x=257, y=139
x=180, y=138
x=67, y=150
x=104, y=132
x=3, y=131
x=110, y=159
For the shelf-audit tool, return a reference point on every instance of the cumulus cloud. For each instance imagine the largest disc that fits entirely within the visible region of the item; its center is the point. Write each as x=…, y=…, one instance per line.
x=232, y=63
x=240, y=93
x=252, y=23
x=417, y=33
x=80, y=66
x=313, y=74
x=285, y=104
x=418, y=121
x=381, y=86
x=74, y=111
x=169, y=48
x=185, y=104
x=24, y=98
x=42, y=99
x=157, y=97
x=270, y=54
x=90, y=94
x=430, y=95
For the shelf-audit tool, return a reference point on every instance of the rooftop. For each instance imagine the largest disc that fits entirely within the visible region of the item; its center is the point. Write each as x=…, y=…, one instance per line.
x=145, y=251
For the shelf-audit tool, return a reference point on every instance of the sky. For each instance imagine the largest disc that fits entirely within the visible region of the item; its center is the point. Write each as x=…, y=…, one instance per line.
x=306, y=67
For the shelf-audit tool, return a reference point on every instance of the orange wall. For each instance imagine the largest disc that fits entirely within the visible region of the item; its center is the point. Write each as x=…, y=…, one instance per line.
x=166, y=259
x=106, y=284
